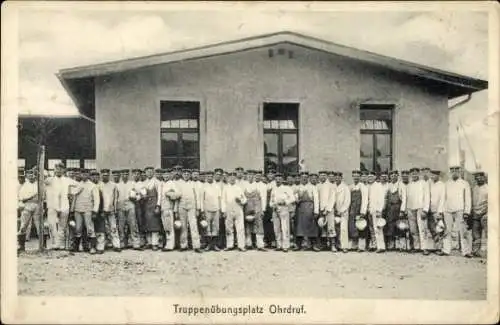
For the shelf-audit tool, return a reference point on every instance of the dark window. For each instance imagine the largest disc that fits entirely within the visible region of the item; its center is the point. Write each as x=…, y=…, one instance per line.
x=376, y=137
x=281, y=150
x=180, y=143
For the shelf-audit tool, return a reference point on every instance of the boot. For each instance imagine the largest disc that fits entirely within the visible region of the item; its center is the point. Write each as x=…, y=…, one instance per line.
x=21, y=241
x=93, y=244
x=45, y=237
x=85, y=244
x=75, y=245
x=214, y=244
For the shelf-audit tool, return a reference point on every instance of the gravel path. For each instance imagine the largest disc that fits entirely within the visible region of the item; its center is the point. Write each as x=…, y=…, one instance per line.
x=228, y=274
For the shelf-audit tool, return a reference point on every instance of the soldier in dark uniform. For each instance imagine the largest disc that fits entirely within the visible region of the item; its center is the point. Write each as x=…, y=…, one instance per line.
x=357, y=209
x=99, y=224
x=152, y=217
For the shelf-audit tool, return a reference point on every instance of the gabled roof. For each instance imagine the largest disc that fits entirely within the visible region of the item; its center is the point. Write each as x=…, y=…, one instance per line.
x=79, y=80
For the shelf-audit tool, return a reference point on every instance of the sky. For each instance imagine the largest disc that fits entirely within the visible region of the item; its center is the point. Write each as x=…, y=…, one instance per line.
x=456, y=41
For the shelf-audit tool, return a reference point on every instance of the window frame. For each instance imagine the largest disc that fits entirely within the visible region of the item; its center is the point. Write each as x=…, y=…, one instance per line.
x=279, y=132
x=178, y=131
x=375, y=132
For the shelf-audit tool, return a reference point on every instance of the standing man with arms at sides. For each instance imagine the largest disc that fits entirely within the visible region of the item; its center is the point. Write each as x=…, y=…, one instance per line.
x=169, y=195
x=233, y=200
x=109, y=192
x=210, y=206
x=307, y=213
x=372, y=244
x=436, y=209
x=152, y=203
x=292, y=208
x=281, y=197
x=417, y=205
x=126, y=212
x=326, y=196
x=376, y=205
x=357, y=208
x=188, y=210
x=60, y=186
x=269, y=237
x=256, y=196
x=342, y=203
x=28, y=195
x=86, y=209
x=139, y=205
x=198, y=187
x=457, y=209
x=395, y=202
x=479, y=212
x=97, y=244
x=218, y=180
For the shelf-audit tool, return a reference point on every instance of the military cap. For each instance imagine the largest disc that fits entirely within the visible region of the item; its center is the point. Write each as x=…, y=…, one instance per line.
x=372, y=173
x=169, y=170
x=115, y=171
x=85, y=171
x=209, y=172
x=425, y=169
x=186, y=170
x=293, y=174
x=177, y=167
x=272, y=171
x=436, y=172
x=148, y=168
x=339, y=174
x=304, y=173
x=414, y=170
x=59, y=165
x=384, y=172
x=356, y=172
x=218, y=170
x=393, y=172
x=136, y=170
x=259, y=171
x=454, y=167
x=231, y=173
x=322, y=172
x=124, y=171
x=313, y=175
x=105, y=170
x=405, y=172
x=278, y=175
x=478, y=173
x=94, y=172
x=158, y=170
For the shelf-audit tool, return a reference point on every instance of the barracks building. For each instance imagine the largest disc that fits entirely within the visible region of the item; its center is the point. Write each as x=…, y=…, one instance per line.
x=268, y=101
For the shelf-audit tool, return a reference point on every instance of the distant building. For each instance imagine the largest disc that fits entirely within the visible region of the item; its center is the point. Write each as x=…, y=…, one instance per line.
x=72, y=142
x=270, y=100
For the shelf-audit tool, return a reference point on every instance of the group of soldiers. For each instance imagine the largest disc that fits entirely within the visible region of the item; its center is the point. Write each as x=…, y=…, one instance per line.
x=168, y=209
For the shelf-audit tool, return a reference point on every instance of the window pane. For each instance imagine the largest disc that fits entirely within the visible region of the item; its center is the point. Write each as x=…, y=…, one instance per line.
x=270, y=151
x=21, y=163
x=267, y=124
x=184, y=123
x=193, y=124
x=366, y=145
x=190, y=144
x=290, y=145
x=169, y=144
x=191, y=163
x=375, y=114
x=384, y=164
x=89, y=164
x=383, y=145
x=169, y=162
x=52, y=162
x=176, y=123
x=283, y=124
x=166, y=124
x=274, y=124
x=72, y=163
x=175, y=110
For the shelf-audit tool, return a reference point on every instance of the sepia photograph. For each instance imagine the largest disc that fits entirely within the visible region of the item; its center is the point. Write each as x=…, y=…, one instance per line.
x=203, y=153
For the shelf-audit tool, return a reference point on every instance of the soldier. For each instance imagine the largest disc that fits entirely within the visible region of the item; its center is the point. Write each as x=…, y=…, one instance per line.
x=233, y=200
x=292, y=208
x=126, y=212
x=326, y=195
x=86, y=208
x=342, y=203
x=479, y=212
x=109, y=193
x=357, y=209
x=376, y=205
x=256, y=195
x=457, y=210
x=57, y=215
x=28, y=195
x=307, y=213
x=281, y=197
x=152, y=219
x=372, y=244
x=269, y=237
x=169, y=195
x=395, y=203
x=139, y=205
x=189, y=207
x=417, y=204
x=97, y=243
x=211, y=197
x=437, y=197
x=218, y=179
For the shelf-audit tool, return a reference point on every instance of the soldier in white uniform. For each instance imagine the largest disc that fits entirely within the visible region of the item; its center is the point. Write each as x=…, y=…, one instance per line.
x=479, y=212
x=28, y=195
x=281, y=197
x=342, y=203
x=189, y=207
x=233, y=200
x=211, y=209
x=169, y=196
x=457, y=209
x=417, y=205
x=256, y=195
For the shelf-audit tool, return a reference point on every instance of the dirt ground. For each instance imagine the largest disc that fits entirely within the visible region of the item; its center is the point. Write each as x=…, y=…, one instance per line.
x=226, y=274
